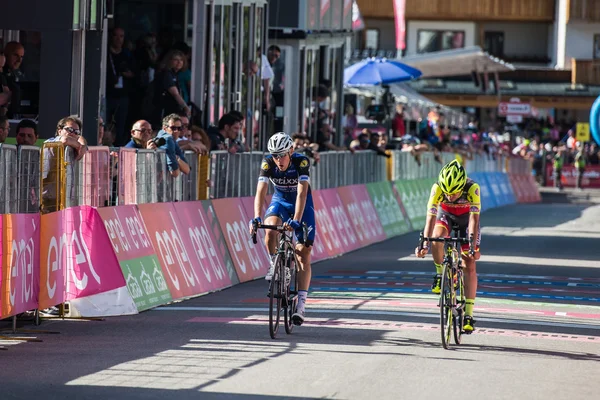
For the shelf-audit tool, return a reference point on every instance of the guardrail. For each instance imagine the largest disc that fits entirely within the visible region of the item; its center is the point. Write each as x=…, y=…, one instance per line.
x=106, y=176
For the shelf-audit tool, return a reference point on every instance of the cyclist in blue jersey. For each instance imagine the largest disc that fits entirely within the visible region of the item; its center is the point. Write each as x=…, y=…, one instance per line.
x=292, y=204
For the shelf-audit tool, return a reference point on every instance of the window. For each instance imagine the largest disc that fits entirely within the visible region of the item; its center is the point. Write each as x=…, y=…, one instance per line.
x=372, y=39
x=429, y=40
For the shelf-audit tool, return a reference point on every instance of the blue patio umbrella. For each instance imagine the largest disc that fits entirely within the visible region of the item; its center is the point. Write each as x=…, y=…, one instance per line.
x=378, y=71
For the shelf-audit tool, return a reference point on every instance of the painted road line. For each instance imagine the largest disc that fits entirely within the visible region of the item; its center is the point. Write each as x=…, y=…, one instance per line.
x=432, y=305
x=480, y=279
x=521, y=260
x=479, y=293
x=520, y=288
x=316, y=312
x=381, y=313
x=428, y=296
x=506, y=276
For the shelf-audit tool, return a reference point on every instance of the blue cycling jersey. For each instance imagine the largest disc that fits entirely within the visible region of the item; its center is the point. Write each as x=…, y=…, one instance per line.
x=286, y=182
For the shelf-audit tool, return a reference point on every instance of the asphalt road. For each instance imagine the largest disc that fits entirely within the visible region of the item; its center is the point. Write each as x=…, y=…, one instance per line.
x=371, y=332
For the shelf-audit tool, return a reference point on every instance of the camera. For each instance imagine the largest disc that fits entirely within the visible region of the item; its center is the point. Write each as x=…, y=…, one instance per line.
x=159, y=141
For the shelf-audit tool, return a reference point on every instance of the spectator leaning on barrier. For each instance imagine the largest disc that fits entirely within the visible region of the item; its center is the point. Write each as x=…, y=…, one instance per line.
x=27, y=133
x=4, y=128
x=185, y=140
x=199, y=135
x=68, y=132
x=175, y=158
x=229, y=128
x=141, y=136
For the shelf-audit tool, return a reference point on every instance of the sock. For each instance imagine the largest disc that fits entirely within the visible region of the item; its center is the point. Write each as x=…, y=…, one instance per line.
x=469, y=307
x=301, y=300
x=438, y=268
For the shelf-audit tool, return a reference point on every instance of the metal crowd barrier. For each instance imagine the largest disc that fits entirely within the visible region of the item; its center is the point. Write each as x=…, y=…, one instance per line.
x=8, y=179
x=57, y=176
x=92, y=185
x=234, y=175
x=343, y=168
x=28, y=179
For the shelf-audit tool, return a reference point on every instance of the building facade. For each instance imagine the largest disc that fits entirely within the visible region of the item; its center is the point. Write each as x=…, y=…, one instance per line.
x=553, y=45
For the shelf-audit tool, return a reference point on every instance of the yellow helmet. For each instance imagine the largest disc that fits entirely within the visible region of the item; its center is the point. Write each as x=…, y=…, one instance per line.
x=452, y=178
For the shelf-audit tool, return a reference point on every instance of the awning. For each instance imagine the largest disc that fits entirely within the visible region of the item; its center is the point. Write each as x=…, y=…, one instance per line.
x=456, y=62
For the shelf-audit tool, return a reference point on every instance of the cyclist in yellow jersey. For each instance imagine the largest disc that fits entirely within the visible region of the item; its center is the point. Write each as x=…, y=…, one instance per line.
x=454, y=199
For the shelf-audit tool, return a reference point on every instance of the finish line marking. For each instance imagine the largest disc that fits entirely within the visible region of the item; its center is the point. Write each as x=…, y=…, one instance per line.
x=386, y=325
x=479, y=293
x=380, y=312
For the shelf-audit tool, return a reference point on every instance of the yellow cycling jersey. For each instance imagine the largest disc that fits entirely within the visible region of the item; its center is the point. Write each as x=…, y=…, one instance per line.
x=468, y=202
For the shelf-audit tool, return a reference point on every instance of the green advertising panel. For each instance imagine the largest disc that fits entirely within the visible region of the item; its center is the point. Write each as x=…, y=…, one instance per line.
x=145, y=282
x=388, y=209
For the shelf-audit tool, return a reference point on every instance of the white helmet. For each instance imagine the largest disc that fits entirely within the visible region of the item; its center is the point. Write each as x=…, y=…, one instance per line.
x=280, y=143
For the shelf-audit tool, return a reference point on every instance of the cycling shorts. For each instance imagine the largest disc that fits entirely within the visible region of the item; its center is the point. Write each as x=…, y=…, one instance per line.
x=447, y=220
x=284, y=210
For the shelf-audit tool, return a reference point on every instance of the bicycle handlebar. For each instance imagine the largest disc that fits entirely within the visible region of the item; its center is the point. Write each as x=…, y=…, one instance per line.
x=278, y=228
x=459, y=240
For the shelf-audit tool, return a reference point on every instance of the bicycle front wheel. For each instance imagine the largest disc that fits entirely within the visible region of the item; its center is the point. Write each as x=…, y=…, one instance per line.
x=457, y=322
x=446, y=306
x=291, y=293
x=275, y=294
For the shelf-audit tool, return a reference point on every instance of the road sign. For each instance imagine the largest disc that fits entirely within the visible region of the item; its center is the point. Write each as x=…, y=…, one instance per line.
x=514, y=108
x=583, y=132
x=514, y=119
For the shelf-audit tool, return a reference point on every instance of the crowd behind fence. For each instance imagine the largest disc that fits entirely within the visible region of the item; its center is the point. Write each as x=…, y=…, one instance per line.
x=50, y=179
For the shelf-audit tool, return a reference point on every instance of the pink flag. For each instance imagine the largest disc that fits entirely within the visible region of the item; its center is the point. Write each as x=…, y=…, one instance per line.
x=399, y=8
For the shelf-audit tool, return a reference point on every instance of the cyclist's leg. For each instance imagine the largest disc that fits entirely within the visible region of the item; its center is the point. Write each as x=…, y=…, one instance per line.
x=276, y=213
x=303, y=250
x=441, y=229
x=470, y=280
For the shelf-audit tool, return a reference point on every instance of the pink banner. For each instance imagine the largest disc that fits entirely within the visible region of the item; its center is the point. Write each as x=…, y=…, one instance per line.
x=193, y=218
x=247, y=256
x=20, y=257
x=399, y=12
x=77, y=259
x=326, y=234
x=174, y=250
x=340, y=219
x=248, y=204
x=362, y=213
x=126, y=232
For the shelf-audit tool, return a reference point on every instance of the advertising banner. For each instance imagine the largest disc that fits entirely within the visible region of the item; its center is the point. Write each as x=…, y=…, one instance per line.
x=362, y=213
x=248, y=258
x=326, y=232
x=215, y=274
x=76, y=257
x=20, y=255
x=133, y=247
x=591, y=176
x=173, y=249
x=340, y=219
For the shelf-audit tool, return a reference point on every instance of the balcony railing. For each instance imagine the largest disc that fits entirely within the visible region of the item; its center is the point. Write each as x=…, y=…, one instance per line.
x=585, y=72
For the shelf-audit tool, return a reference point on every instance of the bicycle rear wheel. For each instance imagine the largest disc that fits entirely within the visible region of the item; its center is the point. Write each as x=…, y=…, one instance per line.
x=275, y=294
x=457, y=322
x=446, y=306
x=291, y=292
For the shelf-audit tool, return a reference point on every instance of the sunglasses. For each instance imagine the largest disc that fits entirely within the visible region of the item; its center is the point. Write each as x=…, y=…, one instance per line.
x=72, y=130
x=176, y=128
x=279, y=156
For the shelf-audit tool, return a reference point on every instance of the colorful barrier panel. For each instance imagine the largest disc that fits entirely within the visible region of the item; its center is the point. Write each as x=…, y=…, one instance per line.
x=327, y=232
x=388, y=209
x=77, y=259
x=139, y=264
x=362, y=214
x=19, y=252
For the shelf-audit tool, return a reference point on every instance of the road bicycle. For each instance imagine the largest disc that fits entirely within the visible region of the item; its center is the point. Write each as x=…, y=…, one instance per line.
x=452, y=294
x=283, y=289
